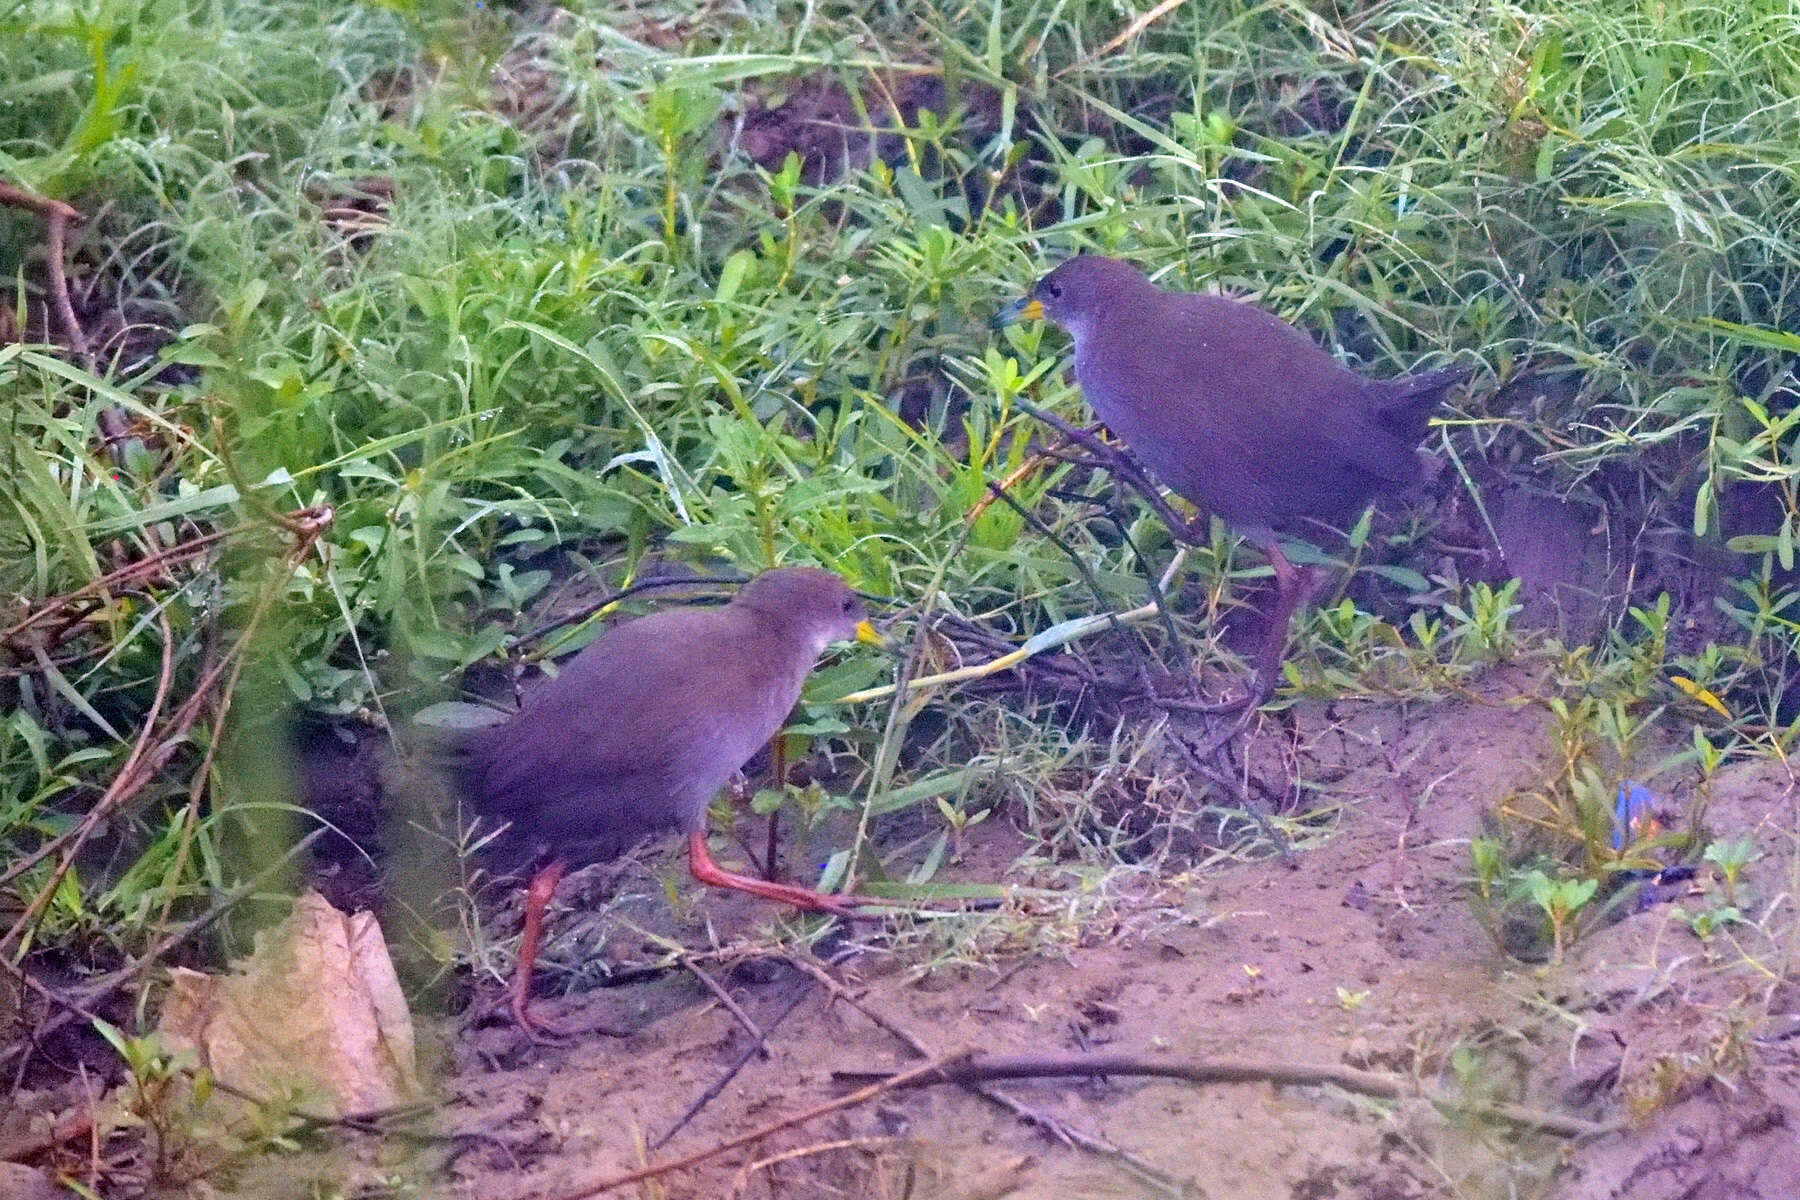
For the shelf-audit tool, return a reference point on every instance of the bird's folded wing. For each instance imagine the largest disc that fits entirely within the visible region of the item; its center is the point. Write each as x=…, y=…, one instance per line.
x=615, y=723
x=1282, y=399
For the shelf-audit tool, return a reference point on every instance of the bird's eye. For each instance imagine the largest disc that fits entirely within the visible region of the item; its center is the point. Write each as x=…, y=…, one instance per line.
x=1053, y=290
x=849, y=603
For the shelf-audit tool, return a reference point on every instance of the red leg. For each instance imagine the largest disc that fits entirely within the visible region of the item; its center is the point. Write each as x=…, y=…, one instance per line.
x=1288, y=589
x=705, y=870
x=537, y=899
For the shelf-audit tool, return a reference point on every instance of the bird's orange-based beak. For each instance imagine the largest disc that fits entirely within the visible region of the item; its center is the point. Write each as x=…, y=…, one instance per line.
x=868, y=634
x=1028, y=309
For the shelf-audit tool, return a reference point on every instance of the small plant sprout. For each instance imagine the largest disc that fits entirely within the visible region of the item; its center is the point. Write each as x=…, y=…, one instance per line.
x=1731, y=858
x=1621, y=722
x=1467, y=1066
x=1483, y=629
x=1350, y=1001
x=1562, y=900
x=1426, y=631
x=1706, y=923
x=158, y=1100
x=1488, y=856
x=1644, y=655
x=960, y=820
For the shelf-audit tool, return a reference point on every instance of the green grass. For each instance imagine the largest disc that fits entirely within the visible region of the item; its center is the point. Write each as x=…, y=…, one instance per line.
x=601, y=333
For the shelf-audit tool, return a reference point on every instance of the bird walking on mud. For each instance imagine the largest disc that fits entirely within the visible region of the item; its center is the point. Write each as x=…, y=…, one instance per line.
x=642, y=729
x=1237, y=411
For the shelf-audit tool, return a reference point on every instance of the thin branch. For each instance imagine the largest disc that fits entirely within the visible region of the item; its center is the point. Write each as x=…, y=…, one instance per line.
x=757, y=1046
x=1018, y=475
x=1055, y=1127
x=860, y=1096
x=1380, y=1085
x=124, y=785
x=1118, y=460
x=1218, y=741
x=1137, y=26
x=143, y=566
x=611, y=598
x=798, y=1152
x=140, y=765
x=724, y=998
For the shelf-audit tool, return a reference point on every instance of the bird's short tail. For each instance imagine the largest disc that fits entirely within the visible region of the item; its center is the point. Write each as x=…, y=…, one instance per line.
x=452, y=738
x=1427, y=386
x=1411, y=400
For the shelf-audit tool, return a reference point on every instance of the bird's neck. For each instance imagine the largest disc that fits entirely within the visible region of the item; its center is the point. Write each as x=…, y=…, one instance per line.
x=1082, y=329
x=788, y=639
x=1103, y=320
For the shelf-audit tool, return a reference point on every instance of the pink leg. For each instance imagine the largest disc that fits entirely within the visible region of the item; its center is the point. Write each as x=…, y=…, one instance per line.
x=705, y=870
x=537, y=899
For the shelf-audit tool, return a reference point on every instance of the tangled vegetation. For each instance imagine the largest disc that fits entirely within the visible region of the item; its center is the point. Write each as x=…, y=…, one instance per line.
x=402, y=319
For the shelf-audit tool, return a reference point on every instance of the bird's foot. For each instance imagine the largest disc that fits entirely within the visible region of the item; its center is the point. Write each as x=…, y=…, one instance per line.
x=540, y=1031
x=806, y=900
x=537, y=1030
x=705, y=870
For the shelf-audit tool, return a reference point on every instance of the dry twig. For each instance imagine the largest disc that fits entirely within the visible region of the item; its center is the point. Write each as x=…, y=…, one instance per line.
x=730, y=1005
x=142, y=763
x=860, y=1096
x=757, y=1046
x=762, y=1164
x=1055, y=1127
x=1382, y=1086
x=148, y=565
x=1137, y=26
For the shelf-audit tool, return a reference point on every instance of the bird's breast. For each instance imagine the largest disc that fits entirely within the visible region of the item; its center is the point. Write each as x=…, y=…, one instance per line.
x=1132, y=408
x=1175, y=435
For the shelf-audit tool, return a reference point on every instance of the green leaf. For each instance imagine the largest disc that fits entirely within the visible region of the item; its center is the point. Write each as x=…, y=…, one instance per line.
x=1754, y=335
x=731, y=276
x=929, y=788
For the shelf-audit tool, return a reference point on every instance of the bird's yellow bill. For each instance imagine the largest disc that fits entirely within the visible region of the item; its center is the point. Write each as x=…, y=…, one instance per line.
x=867, y=633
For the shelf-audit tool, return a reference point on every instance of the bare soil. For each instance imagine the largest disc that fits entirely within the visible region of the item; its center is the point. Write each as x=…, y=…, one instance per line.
x=1364, y=951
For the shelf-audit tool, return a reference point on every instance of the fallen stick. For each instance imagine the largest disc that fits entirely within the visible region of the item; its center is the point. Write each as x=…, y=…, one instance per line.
x=1052, y=1126
x=1137, y=26
x=762, y=1164
x=990, y=1067
x=860, y=1096
x=758, y=1045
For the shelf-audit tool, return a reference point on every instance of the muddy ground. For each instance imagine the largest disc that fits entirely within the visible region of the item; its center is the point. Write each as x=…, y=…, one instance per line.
x=1363, y=951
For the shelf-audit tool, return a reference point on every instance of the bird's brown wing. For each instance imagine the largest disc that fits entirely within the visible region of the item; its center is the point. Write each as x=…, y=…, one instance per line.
x=1285, y=399
x=621, y=730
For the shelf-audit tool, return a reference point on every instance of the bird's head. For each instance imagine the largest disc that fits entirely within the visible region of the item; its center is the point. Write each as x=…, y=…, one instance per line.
x=815, y=605
x=1078, y=293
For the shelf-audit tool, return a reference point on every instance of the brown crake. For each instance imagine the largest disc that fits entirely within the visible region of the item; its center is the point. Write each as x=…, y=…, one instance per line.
x=642, y=729
x=1237, y=410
